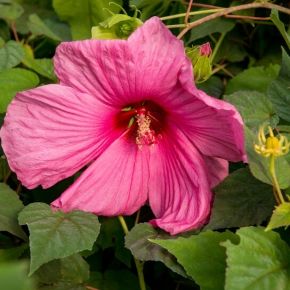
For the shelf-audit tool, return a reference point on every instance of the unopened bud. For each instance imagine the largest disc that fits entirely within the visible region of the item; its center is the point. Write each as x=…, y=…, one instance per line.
x=118, y=26
x=200, y=57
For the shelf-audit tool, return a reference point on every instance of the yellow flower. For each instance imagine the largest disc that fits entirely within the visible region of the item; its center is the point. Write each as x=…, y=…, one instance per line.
x=271, y=145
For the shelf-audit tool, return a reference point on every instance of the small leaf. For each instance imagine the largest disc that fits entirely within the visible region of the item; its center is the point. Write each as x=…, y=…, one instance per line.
x=12, y=81
x=240, y=200
x=38, y=27
x=279, y=90
x=11, y=54
x=137, y=241
x=280, y=217
x=72, y=270
x=253, y=79
x=10, y=206
x=280, y=25
x=55, y=235
x=259, y=261
x=255, y=108
x=43, y=66
x=10, y=11
x=201, y=256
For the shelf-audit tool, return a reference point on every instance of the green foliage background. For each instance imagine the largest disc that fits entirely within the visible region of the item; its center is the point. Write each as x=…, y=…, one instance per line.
x=45, y=250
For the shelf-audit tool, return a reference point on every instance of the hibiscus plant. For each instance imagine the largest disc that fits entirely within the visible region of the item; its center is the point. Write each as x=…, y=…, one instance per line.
x=144, y=145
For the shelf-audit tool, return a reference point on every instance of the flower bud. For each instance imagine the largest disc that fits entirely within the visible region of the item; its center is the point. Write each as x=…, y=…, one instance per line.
x=200, y=57
x=118, y=26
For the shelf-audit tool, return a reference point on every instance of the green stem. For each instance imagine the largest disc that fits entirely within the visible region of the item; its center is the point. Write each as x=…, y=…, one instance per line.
x=229, y=10
x=276, y=186
x=176, y=26
x=139, y=264
x=191, y=13
x=217, y=46
x=137, y=216
x=5, y=180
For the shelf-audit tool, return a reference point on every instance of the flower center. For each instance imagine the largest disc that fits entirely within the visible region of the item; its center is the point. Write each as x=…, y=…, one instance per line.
x=145, y=122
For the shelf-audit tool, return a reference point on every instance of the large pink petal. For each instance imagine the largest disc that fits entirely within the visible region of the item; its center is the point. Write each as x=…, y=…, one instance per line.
x=214, y=126
x=179, y=191
x=115, y=184
x=159, y=56
x=51, y=132
x=124, y=71
x=217, y=169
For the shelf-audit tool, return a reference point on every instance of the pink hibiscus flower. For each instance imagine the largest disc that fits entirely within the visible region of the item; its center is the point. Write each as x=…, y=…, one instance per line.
x=130, y=111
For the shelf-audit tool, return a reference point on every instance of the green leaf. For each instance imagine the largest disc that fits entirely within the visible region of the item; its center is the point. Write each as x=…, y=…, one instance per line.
x=13, y=277
x=201, y=256
x=259, y=165
x=82, y=15
x=255, y=108
x=279, y=90
x=213, y=86
x=38, y=27
x=55, y=235
x=253, y=79
x=137, y=242
x=11, y=54
x=280, y=25
x=230, y=50
x=280, y=217
x=12, y=81
x=10, y=206
x=4, y=30
x=259, y=261
x=221, y=25
x=10, y=11
x=73, y=270
x=240, y=200
x=43, y=66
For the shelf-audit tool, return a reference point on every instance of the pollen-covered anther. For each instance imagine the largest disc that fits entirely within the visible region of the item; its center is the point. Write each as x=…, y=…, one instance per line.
x=145, y=135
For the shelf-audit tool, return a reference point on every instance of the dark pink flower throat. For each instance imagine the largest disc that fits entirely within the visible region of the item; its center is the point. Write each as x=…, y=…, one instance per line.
x=145, y=122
